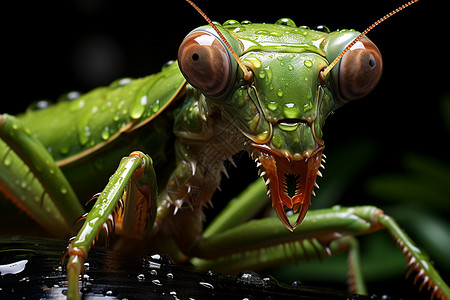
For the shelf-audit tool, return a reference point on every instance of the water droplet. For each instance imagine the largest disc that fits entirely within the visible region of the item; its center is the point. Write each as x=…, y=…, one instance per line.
x=308, y=63
x=144, y=100
x=307, y=106
x=262, y=32
x=322, y=28
x=70, y=96
x=13, y=268
x=156, y=106
x=167, y=64
x=84, y=133
x=262, y=75
x=39, y=105
x=270, y=282
x=286, y=22
x=65, y=147
x=7, y=161
x=254, y=61
x=231, y=23
x=291, y=111
x=169, y=276
x=269, y=74
x=120, y=82
x=105, y=133
x=280, y=93
x=272, y=105
x=246, y=22
x=63, y=190
x=290, y=67
x=251, y=278
x=157, y=282
x=141, y=277
x=154, y=272
x=206, y=285
x=288, y=126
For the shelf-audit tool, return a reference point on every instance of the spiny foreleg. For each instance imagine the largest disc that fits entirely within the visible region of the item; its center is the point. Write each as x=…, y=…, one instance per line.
x=135, y=182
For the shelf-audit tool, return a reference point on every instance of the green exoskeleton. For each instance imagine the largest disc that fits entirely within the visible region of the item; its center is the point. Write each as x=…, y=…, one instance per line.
x=263, y=88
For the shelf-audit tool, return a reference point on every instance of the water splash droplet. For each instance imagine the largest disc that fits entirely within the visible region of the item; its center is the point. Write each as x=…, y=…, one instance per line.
x=250, y=278
x=13, y=268
x=141, y=277
x=206, y=285
x=156, y=282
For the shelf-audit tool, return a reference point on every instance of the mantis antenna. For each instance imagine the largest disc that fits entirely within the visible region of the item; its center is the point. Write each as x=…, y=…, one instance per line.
x=328, y=69
x=247, y=73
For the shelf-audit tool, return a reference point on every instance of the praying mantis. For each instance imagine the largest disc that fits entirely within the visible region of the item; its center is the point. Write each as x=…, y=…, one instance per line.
x=286, y=222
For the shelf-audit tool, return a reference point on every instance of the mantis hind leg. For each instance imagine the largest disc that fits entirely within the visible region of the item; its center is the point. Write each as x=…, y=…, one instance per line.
x=126, y=205
x=265, y=243
x=31, y=179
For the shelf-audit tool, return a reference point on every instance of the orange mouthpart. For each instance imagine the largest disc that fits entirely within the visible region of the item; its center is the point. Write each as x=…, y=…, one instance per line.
x=290, y=181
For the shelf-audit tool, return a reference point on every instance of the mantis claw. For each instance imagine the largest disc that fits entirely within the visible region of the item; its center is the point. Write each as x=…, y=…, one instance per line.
x=290, y=180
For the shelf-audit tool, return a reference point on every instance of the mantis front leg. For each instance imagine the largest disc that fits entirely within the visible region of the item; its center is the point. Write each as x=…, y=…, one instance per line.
x=31, y=179
x=129, y=199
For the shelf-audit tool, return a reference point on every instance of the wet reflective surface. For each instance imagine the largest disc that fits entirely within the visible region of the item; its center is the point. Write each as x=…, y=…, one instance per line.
x=30, y=269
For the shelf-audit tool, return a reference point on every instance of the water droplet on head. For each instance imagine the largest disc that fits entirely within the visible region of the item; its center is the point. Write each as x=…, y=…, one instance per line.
x=231, y=23
x=254, y=61
x=167, y=64
x=286, y=22
x=70, y=96
x=322, y=28
x=308, y=63
x=39, y=105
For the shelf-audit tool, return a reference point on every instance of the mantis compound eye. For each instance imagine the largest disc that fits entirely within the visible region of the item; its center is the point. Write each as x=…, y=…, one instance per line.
x=205, y=62
x=360, y=70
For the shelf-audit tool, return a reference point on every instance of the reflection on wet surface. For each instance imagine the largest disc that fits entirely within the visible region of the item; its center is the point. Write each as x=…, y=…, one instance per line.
x=30, y=268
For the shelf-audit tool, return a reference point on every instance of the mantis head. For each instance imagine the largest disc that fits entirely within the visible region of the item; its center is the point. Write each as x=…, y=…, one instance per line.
x=277, y=83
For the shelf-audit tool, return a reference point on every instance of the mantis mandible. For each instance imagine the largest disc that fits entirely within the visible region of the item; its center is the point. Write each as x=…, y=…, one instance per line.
x=279, y=120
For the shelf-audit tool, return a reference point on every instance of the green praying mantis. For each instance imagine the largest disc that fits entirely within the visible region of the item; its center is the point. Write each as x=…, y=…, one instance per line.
x=262, y=88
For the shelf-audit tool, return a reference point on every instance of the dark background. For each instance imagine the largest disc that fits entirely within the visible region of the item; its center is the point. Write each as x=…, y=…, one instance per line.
x=51, y=47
